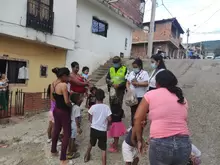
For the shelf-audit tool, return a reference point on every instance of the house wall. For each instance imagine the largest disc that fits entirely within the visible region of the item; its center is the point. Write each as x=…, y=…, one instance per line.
x=162, y=33
x=13, y=22
x=138, y=50
x=36, y=55
x=92, y=50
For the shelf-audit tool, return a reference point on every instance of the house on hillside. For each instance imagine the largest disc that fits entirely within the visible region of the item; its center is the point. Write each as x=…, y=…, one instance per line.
x=35, y=35
x=103, y=30
x=166, y=39
x=34, y=38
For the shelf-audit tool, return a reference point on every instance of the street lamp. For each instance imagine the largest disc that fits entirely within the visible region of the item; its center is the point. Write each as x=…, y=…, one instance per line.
x=146, y=30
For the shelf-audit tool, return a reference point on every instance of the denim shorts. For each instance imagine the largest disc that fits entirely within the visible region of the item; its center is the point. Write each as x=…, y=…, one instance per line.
x=174, y=150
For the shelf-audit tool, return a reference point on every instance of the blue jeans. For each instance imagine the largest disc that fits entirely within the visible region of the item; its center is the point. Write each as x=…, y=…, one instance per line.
x=174, y=150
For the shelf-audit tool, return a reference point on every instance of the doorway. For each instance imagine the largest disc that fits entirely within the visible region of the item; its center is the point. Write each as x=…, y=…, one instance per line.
x=3, y=67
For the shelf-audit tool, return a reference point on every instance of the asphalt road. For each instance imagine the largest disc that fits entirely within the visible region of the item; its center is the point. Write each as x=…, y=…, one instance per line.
x=200, y=81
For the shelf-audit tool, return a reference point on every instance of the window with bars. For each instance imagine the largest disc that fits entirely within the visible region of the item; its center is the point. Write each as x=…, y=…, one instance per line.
x=40, y=15
x=99, y=27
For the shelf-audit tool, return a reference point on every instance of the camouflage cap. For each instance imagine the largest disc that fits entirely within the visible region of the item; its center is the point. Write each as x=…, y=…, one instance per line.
x=116, y=59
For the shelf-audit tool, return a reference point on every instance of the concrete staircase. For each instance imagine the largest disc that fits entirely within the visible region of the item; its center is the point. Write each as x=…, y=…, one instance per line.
x=100, y=72
x=103, y=70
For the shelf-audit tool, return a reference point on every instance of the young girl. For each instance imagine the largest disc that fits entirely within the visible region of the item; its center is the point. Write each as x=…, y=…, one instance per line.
x=91, y=99
x=117, y=128
x=75, y=125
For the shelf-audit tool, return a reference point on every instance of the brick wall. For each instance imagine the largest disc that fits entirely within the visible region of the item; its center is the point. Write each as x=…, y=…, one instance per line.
x=35, y=102
x=162, y=33
x=130, y=8
x=138, y=50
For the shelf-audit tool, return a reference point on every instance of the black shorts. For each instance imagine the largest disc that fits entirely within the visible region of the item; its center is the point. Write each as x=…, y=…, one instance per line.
x=101, y=136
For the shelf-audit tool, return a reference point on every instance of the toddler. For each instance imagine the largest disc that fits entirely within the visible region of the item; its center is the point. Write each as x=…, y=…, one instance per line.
x=85, y=73
x=117, y=127
x=91, y=99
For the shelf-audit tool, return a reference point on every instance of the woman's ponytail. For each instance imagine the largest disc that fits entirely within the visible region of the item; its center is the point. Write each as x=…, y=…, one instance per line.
x=178, y=92
x=166, y=79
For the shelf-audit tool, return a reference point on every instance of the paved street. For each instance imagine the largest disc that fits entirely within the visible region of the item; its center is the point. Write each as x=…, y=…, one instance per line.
x=200, y=80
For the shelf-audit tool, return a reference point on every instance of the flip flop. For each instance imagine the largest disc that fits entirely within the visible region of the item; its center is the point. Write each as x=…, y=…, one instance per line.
x=74, y=156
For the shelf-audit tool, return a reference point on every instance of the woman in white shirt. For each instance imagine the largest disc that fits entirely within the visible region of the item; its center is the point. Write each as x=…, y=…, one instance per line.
x=158, y=65
x=137, y=81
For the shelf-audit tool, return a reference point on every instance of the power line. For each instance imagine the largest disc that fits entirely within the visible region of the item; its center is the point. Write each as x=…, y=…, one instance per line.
x=211, y=32
x=206, y=7
x=207, y=20
x=166, y=9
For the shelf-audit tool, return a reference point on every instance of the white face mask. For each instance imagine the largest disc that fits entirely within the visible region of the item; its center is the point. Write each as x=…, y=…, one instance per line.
x=153, y=65
x=136, y=70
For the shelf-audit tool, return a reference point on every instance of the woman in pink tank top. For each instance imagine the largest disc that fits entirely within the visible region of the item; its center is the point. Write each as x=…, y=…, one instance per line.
x=167, y=111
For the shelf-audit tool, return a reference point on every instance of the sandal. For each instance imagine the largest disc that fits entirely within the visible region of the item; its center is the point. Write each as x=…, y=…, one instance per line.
x=74, y=156
x=87, y=158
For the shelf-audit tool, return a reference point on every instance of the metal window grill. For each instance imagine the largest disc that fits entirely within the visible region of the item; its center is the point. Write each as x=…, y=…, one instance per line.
x=99, y=27
x=40, y=15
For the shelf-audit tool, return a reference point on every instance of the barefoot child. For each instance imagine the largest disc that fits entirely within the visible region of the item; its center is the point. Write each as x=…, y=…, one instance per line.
x=51, y=119
x=100, y=116
x=75, y=126
x=130, y=150
x=117, y=128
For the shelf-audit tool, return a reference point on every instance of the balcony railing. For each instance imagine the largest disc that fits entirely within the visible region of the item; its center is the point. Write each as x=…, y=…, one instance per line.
x=40, y=15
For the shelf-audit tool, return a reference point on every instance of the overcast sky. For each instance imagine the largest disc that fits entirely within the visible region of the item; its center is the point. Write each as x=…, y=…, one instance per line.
x=191, y=14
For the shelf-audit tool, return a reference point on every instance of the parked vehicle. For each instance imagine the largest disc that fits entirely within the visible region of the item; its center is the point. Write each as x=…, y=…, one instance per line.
x=209, y=57
x=217, y=58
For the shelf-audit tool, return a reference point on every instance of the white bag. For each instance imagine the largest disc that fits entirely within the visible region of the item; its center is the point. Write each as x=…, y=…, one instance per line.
x=130, y=98
x=112, y=92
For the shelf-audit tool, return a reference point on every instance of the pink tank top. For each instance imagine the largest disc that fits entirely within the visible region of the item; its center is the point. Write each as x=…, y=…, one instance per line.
x=167, y=116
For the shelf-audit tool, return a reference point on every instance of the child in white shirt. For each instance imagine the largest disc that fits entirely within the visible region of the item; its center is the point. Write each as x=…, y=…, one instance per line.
x=100, y=117
x=75, y=125
x=195, y=158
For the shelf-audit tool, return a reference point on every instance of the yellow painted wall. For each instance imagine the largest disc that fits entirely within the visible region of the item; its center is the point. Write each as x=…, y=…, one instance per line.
x=37, y=55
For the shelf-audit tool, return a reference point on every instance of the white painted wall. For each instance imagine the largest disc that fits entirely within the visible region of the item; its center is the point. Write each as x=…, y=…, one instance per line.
x=13, y=22
x=92, y=50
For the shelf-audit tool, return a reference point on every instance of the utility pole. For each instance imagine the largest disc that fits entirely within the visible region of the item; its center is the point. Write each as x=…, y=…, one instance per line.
x=200, y=47
x=151, y=32
x=187, y=44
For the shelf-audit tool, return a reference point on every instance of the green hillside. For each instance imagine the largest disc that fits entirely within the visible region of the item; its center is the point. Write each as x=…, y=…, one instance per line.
x=209, y=46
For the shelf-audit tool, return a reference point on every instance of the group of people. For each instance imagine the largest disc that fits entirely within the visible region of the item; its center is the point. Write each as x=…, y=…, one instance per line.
x=159, y=100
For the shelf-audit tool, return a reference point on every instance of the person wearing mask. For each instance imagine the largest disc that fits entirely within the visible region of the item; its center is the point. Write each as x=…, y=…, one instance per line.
x=116, y=78
x=61, y=113
x=77, y=82
x=158, y=65
x=169, y=134
x=137, y=81
x=3, y=93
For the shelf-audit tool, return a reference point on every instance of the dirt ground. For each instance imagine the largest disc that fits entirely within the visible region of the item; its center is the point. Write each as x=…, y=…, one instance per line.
x=200, y=80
